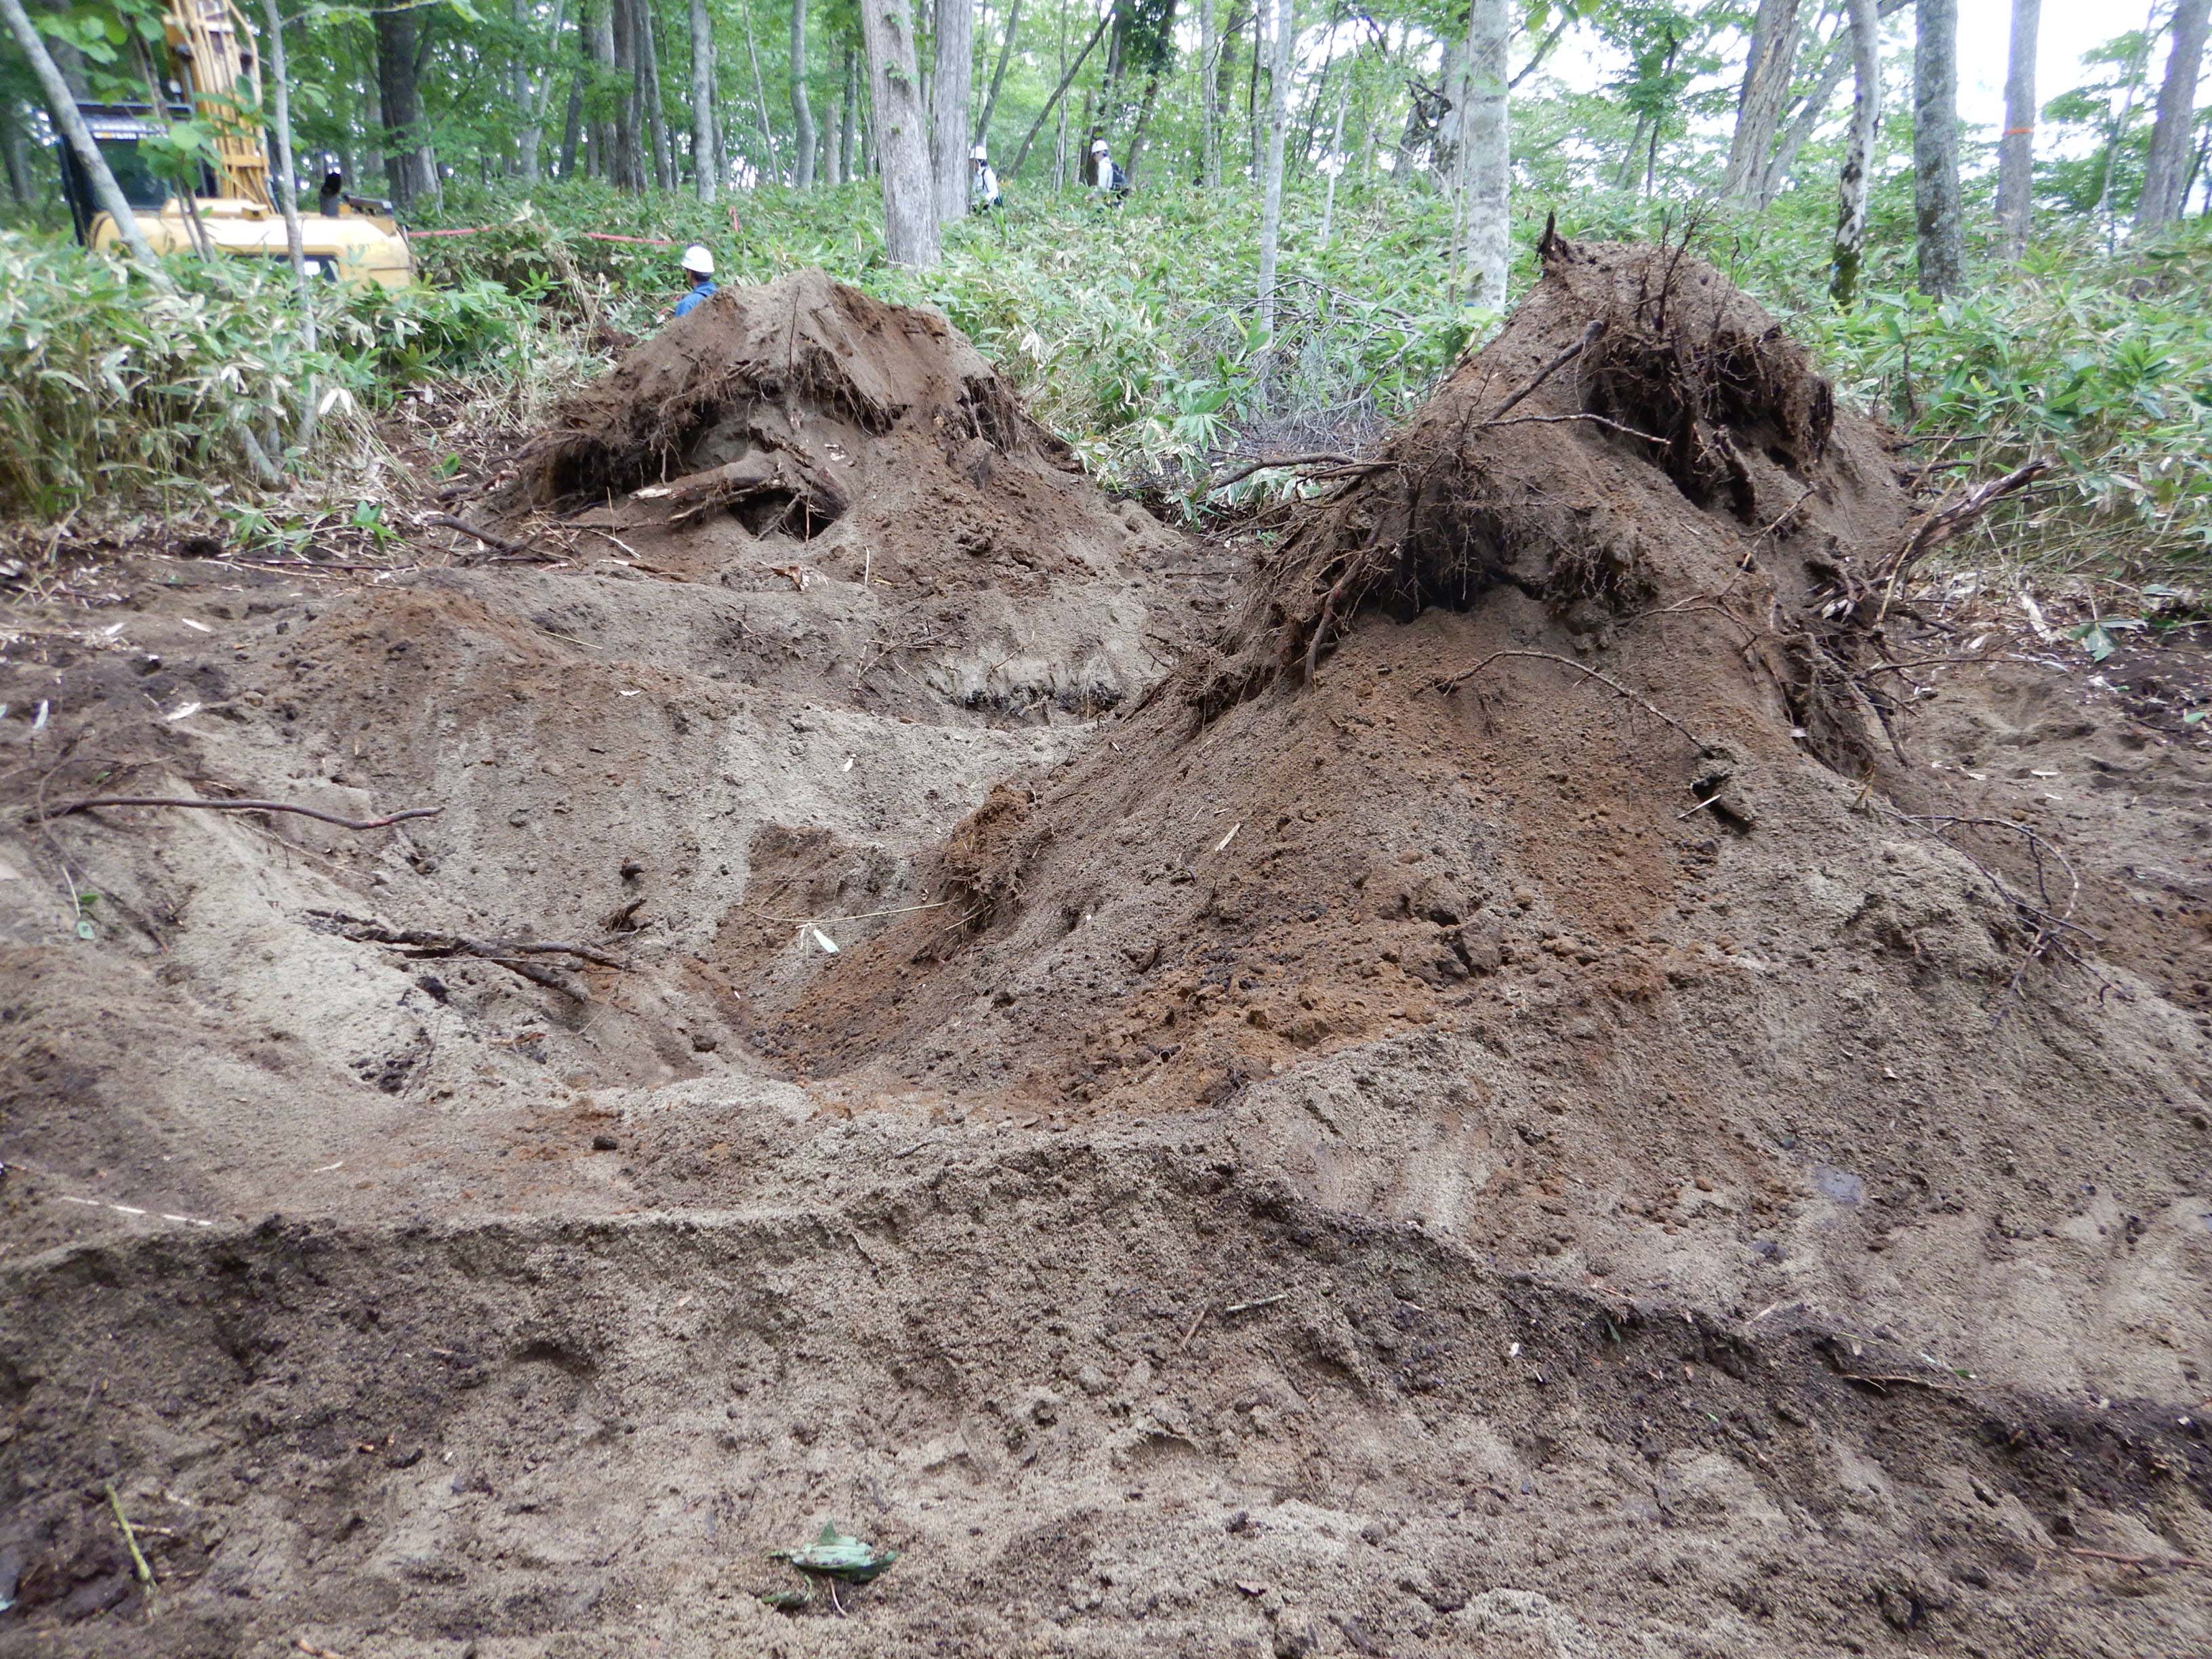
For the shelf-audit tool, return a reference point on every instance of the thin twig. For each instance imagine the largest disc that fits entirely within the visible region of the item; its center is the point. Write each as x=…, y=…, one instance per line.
x=2164, y=1562
x=1555, y=420
x=428, y=943
x=386, y=821
x=139, y=1565
x=1248, y=1307
x=1453, y=682
x=1589, y=337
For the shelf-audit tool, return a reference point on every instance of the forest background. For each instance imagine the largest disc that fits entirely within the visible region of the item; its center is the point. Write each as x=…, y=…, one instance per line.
x=1329, y=203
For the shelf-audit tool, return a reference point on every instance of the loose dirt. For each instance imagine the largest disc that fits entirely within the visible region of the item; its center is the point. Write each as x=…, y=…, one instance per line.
x=1558, y=1053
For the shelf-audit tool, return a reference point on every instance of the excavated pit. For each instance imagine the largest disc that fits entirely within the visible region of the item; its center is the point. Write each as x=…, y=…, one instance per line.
x=1444, y=1092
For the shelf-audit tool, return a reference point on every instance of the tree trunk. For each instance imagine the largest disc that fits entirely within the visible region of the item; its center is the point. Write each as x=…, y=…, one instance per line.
x=14, y=147
x=1835, y=66
x=530, y=144
x=1058, y=93
x=61, y=106
x=774, y=168
x=1487, y=135
x=1209, y=97
x=1270, y=202
x=998, y=75
x=955, y=76
x=1942, y=230
x=409, y=166
x=1854, y=184
x=2016, y=148
x=1765, y=90
x=604, y=143
x=902, y=133
x=848, y=113
x=572, y=125
x=649, y=95
x=1334, y=162
x=2165, y=175
x=706, y=180
x=802, y=113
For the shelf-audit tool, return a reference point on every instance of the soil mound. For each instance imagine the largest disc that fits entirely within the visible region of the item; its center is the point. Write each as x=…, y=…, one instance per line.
x=1531, y=834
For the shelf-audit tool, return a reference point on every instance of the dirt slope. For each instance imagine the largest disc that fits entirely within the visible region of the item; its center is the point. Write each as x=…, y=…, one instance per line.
x=1553, y=1166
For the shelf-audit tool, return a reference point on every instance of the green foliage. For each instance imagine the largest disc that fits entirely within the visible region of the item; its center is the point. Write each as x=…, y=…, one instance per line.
x=110, y=391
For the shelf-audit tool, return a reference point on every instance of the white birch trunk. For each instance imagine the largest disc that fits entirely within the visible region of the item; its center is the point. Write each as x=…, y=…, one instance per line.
x=802, y=112
x=1487, y=133
x=1209, y=95
x=1278, y=121
x=1854, y=184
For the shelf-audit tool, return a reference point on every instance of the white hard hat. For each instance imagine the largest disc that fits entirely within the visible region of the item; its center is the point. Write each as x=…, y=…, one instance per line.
x=979, y=153
x=696, y=259
x=1098, y=147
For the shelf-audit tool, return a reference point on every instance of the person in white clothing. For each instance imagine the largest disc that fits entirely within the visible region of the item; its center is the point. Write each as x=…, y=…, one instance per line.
x=1106, y=174
x=983, y=183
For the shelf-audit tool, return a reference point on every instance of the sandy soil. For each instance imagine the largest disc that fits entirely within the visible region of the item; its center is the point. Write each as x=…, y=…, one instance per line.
x=1276, y=1163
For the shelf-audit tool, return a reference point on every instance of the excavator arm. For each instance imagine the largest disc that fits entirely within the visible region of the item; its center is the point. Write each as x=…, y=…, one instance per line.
x=208, y=41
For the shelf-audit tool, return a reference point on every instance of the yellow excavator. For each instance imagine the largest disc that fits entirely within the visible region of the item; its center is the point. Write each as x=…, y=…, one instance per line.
x=351, y=241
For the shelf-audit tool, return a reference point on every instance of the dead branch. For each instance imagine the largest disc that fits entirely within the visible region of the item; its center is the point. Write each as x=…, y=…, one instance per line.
x=425, y=942
x=1272, y=462
x=1947, y=520
x=1452, y=683
x=1589, y=337
x=497, y=544
x=87, y=804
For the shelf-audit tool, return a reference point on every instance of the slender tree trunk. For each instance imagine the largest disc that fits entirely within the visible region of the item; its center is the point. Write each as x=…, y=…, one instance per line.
x=409, y=165
x=952, y=96
x=2166, y=173
x=902, y=133
x=1209, y=97
x=706, y=181
x=760, y=101
x=2138, y=66
x=802, y=113
x=650, y=94
x=847, y=112
x=2016, y=146
x=1252, y=87
x=1854, y=184
x=1058, y=93
x=1278, y=121
x=599, y=40
x=1765, y=90
x=1941, y=228
x=998, y=75
x=531, y=144
x=1487, y=134
x=285, y=187
x=1836, y=65
x=1334, y=162
x=61, y=108
x=15, y=151
x=572, y=125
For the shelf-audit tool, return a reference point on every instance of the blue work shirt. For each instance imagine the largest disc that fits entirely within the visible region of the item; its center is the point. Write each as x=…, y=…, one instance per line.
x=695, y=298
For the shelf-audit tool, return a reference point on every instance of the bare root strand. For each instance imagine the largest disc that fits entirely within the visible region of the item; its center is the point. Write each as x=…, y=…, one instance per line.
x=1589, y=338
x=1947, y=520
x=91, y=802
x=1452, y=683
x=497, y=544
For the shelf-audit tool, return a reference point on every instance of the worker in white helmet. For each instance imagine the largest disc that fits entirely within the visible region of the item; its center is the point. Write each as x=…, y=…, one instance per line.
x=699, y=266
x=983, y=183
x=1106, y=174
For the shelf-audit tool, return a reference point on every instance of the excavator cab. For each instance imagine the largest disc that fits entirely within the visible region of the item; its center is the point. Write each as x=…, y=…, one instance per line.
x=230, y=210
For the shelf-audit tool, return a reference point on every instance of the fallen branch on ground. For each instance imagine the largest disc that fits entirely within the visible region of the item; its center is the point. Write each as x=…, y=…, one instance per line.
x=1273, y=463
x=1452, y=683
x=497, y=544
x=427, y=942
x=386, y=821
